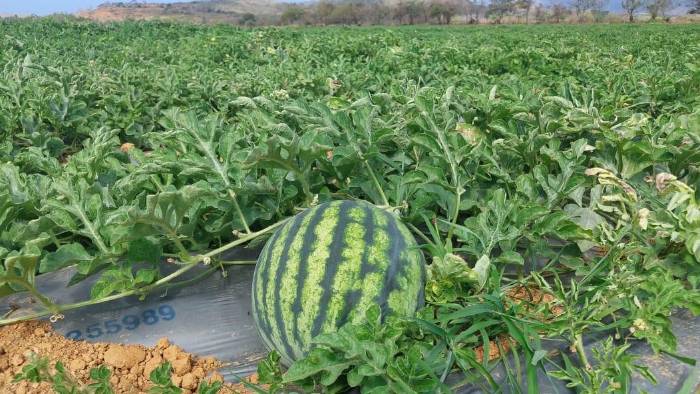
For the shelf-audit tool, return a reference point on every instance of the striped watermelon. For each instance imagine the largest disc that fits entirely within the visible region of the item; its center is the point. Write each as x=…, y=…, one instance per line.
x=326, y=266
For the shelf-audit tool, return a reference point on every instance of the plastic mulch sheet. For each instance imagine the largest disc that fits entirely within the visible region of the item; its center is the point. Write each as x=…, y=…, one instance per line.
x=212, y=317
x=671, y=374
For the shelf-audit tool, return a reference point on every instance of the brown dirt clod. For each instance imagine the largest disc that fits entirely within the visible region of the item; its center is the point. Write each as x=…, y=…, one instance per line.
x=172, y=353
x=124, y=356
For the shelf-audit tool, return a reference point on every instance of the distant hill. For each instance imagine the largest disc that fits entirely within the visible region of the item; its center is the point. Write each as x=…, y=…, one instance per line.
x=234, y=11
x=212, y=11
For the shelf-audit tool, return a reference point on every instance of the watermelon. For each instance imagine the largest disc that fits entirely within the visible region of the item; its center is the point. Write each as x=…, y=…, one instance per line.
x=326, y=266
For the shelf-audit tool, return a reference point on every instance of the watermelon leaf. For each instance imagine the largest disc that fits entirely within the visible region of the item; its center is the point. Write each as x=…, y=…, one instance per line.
x=482, y=270
x=328, y=364
x=64, y=256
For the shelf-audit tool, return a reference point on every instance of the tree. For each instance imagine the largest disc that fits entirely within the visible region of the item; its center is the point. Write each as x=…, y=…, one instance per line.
x=472, y=10
x=499, y=8
x=658, y=8
x=449, y=10
x=292, y=14
x=480, y=9
x=525, y=5
x=559, y=12
x=580, y=8
x=324, y=9
x=631, y=6
x=442, y=11
x=540, y=14
x=467, y=9
x=346, y=13
x=600, y=15
x=247, y=19
x=435, y=11
x=694, y=7
x=411, y=9
x=378, y=12
x=398, y=13
x=597, y=6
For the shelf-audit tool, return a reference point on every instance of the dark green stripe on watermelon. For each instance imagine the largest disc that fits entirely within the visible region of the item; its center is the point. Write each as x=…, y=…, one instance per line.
x=332, y=267
x=369, y=238
x=395, y=265
x=329, y=264
x=279, y=321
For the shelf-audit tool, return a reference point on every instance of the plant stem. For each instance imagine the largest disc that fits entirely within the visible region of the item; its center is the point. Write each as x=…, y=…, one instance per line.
x=238, y=262
x=385, y=201
x=455, y=215
x=578, y=343
x=420, y=233
x=91, y=228
x=67, y=307
x=305, y=186
x=361, y=155
x=448, y=366
x=34, y=292
x=233, y=196
x=245, y=239
x=178, y=244
x=222, y=172
x=206, y=273
x=190, y=281
x=195, y=261
x=455, y=174
x=600, y=262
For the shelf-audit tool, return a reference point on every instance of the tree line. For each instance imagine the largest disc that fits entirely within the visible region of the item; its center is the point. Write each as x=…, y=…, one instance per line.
x=381, y=12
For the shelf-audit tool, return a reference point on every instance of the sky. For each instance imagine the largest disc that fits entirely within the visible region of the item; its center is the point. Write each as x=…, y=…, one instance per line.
x=46, y=7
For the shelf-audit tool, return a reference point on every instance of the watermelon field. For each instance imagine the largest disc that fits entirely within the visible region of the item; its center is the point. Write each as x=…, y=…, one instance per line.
x=431, y=204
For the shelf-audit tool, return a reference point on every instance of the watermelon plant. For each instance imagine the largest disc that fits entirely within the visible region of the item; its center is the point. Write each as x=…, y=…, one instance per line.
x=548, y=174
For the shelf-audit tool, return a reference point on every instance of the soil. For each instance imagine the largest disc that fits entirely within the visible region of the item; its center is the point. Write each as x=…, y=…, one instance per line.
x=531, y=297
x=130, y=365
x=505, y=344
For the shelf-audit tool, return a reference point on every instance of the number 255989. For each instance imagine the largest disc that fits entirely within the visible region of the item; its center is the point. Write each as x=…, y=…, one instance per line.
x=130, y=322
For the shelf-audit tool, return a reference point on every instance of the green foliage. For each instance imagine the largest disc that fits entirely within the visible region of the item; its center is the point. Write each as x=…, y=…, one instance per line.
x=270, y=371
x=209, y=388
x=37, y=370
x=515, y=153
x=162, y=384
x=101, y=377
x=612, y=372
x=449, y=279
x=368, y=355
